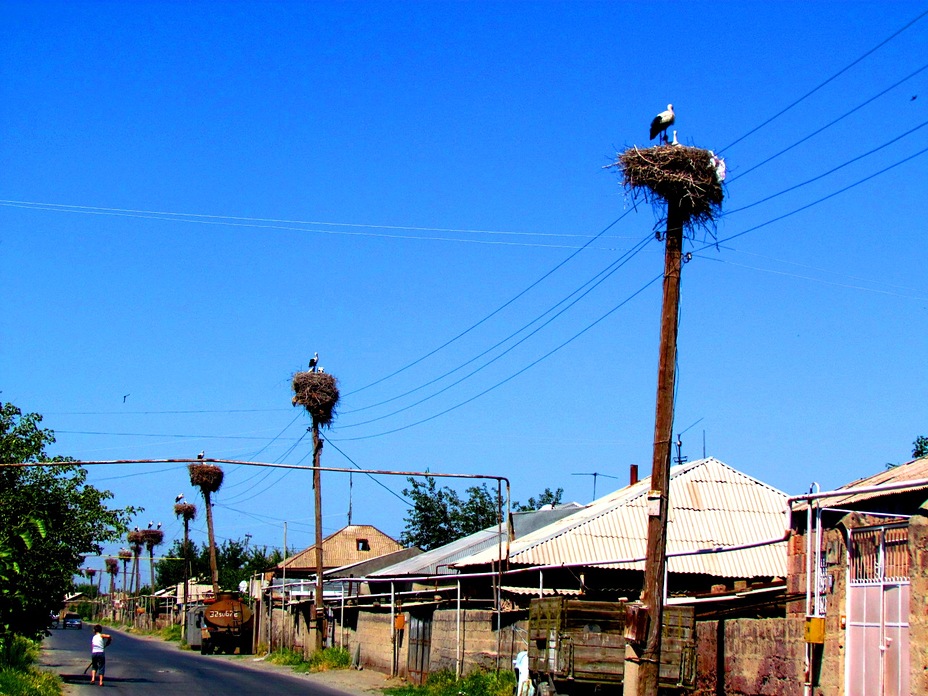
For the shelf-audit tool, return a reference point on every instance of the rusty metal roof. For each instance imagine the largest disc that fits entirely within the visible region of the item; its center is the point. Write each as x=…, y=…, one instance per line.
x=343, y=548
x=711, y=505
x=910, y=471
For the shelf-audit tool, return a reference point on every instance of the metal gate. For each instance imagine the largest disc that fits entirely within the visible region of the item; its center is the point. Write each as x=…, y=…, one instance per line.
x=420, y=642
x=878, y=612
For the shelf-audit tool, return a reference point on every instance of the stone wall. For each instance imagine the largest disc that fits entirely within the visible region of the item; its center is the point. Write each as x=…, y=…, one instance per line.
x=749, y=657
x=918, y=610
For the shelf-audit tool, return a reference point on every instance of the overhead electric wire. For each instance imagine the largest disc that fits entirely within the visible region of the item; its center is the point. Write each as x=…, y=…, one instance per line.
x=514, y=375
x=828, y=125
x=602, y=277
x=613, y=265
x=815, y=202
x=88, y=210
x=823, y=84
x=380, y=483
x=830, y=171
x=494, y=312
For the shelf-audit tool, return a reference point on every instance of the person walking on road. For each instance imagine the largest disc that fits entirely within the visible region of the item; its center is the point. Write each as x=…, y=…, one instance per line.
x=98, y=653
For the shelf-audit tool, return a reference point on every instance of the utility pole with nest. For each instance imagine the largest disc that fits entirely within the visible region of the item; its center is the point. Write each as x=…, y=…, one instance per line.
x=688, y=181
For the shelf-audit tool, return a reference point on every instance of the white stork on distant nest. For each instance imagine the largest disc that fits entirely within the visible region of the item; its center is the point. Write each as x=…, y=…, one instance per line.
x=661, y=122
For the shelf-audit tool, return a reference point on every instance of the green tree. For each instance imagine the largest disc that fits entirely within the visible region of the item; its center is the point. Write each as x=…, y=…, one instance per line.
x=236, y=561
x=547, y=497
x=920, y=447
x=439, y=515
x=49, y=517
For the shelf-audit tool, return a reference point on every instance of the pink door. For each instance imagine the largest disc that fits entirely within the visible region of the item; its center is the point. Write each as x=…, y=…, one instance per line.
x=878, y=614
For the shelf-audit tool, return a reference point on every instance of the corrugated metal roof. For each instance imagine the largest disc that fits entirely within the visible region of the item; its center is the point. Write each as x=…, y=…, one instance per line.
x=342, y=548
x=437, y=561
x=910, y=471
x=711, y=505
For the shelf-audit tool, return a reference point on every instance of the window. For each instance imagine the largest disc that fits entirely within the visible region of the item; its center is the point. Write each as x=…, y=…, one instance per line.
x=363, y=545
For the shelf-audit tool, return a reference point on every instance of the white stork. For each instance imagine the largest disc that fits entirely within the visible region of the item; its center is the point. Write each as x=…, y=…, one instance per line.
x=202, y=454
x=180, y=497
x=313, y=361
x=661, y=122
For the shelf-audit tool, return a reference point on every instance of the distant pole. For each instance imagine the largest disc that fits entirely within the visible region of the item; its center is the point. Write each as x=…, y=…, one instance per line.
x=283, y=581
x=183, y=623
x=317, y=490
x=658, y=498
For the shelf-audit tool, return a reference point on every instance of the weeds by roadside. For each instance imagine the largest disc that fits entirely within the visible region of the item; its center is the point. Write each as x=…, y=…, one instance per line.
x=18, y=675
x=443, y=683
x=321, y=661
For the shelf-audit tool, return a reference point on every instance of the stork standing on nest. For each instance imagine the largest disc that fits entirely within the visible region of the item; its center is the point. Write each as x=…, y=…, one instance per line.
x=661, y=122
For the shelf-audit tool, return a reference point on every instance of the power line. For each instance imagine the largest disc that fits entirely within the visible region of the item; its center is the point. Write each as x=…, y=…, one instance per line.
x=516, y=374
x=830, y=171
x=813, y=203
x=829, y=124
x=86, y=210
x=830, y=79
x=491, y=314
x=613, y=268
x=405, y=501
x=615, y=265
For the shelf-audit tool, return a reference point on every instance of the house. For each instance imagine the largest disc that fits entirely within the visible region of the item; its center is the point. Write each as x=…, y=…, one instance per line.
x=349, y=545
x=465, y=604
x=859, y=566
x=725, y=531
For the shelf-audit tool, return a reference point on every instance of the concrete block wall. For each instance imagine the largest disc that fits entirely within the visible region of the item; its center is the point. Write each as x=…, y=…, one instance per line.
x=749, y=657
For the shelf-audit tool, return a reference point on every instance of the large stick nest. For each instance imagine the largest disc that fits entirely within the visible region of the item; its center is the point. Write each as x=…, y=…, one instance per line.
x=125, y=555
x=317, y=392
x=687, y=177
x=152, y=537
x=112, y=566
x=186, y=511
x=207, y=477
x=135, y=538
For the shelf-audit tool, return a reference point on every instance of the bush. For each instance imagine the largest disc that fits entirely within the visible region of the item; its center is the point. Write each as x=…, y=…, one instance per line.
x=15, y=682
x=170, y=632
x=329, y=658
x=477, y=683
x=18, y=653
x=285, y=656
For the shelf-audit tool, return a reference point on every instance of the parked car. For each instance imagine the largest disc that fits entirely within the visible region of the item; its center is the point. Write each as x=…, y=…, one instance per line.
x=72, y=620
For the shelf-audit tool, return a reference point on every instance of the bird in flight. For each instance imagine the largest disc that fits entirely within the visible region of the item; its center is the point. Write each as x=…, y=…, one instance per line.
x=125, y=396
x=661, y=122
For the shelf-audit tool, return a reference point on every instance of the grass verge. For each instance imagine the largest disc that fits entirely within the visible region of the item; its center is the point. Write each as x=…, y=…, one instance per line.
x=443, y=683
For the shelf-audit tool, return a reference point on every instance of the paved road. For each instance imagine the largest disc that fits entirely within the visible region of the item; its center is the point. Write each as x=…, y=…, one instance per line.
x=152, y=667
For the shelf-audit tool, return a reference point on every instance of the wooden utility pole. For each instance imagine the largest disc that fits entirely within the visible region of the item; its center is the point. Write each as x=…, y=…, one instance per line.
x=648, y=655
x=317, y=489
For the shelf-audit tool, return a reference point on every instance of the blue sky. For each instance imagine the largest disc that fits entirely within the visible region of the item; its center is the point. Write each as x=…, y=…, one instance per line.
x=198, y=196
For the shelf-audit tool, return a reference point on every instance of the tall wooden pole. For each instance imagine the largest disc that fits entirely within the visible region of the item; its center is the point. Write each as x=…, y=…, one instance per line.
x=658, y=498
x=317, y=490
x=213, y=564
x=183, y=623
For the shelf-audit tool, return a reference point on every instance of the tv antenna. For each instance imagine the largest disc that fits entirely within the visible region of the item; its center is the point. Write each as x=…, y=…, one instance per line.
x=595, y=475
x=680, y=459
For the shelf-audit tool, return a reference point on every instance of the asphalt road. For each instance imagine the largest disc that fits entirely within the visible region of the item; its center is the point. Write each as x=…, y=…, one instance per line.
x=153, y=667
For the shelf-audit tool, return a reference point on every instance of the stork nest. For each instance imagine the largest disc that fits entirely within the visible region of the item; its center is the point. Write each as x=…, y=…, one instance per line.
x=152, y=537
x=112, y=566
x=186, y=511
x=135, y=538
x=125, y=555
x=90, y=572
x=677, y=175
x=317, y=392
x=207, y=477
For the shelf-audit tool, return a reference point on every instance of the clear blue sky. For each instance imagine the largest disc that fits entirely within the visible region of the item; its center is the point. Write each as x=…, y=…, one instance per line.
x=369, y=180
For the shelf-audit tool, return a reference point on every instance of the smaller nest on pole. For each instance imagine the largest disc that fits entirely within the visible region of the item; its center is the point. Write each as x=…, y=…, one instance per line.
x=125, y=555
x=687, y=177
x=112, y=566
x=91, y=572
x=206, y=477
x=317, y=392
x=152, y=537
x=187, y=511
x=135, y=538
